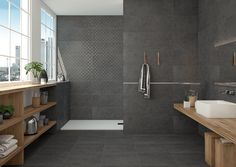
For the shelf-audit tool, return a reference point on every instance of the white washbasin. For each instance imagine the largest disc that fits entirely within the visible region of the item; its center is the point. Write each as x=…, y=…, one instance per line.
x=216, y=108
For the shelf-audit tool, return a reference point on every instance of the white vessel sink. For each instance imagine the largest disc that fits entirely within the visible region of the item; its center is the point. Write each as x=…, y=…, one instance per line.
x=216, y=108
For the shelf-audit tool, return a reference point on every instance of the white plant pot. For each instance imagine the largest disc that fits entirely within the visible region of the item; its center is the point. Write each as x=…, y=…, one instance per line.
x=187, y=104
x=35, y=81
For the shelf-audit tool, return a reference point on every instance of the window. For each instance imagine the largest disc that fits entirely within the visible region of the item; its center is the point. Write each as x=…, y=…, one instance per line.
x=48, y=43
x=14, y=39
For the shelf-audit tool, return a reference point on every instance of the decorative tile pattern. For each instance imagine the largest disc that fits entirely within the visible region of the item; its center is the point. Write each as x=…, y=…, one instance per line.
x=92, y=51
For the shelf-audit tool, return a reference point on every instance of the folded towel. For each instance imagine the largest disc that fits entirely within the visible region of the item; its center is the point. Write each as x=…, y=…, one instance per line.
x=4, y=147
x=4, y=139
x=144, y=81
x=6, y=153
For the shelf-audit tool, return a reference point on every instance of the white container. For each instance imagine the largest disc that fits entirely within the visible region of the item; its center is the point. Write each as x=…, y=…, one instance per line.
x=187, y=104
x=43, y=81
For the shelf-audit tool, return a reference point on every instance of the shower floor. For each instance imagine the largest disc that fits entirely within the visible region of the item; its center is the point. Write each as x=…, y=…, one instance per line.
x=93, y=125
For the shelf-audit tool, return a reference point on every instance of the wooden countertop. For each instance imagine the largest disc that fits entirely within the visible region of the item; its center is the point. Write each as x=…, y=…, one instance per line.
x=224, y=127
x=23, y=87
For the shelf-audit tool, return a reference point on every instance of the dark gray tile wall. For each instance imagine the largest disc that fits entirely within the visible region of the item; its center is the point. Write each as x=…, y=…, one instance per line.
x=92, y=51
x=170, y=27
x=217, y=23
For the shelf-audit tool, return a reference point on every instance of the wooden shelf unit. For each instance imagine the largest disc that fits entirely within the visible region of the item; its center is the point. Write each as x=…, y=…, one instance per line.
x=20, y=88
x=29, y=139
x=10, y=156
x=29, y=111
x=10, y=122
x=15, y=126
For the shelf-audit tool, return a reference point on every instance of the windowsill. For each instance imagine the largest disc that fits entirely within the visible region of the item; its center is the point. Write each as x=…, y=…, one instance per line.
x=14, y=83
x=23, y=87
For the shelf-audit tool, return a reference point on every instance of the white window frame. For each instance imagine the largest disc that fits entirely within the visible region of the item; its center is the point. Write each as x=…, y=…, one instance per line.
x=46, y=9
x=29, y=12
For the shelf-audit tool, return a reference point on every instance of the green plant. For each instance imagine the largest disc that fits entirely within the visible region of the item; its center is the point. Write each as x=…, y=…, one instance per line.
x=6, y=109
x=35, y=67
x=186, y=98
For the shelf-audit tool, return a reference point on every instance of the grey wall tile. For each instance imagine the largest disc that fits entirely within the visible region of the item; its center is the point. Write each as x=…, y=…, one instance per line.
x=92, y=51
x=170, y=27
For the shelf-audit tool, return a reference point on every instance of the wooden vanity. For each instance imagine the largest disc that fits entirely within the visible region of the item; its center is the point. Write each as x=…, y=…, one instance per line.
x=223, y=127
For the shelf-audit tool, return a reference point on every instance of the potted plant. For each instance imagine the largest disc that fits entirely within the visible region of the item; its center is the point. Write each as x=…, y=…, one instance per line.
x=35, y=68
x=186, y=102
x=6, y=111
x=44, y=77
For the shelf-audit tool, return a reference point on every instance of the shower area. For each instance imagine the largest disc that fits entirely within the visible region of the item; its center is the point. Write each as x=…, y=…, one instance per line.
x=91, y=48
x=103, y=56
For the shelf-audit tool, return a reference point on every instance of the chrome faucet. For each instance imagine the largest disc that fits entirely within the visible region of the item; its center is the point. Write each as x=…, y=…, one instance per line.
x=228, y=92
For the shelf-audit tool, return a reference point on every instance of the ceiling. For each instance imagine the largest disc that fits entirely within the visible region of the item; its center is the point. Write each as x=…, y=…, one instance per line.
x=86, y=7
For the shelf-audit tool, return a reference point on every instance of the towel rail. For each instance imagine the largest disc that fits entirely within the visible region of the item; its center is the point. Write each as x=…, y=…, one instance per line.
x=165, y=83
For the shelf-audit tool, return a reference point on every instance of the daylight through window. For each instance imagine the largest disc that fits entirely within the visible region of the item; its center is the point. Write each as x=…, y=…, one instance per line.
x=14, y=39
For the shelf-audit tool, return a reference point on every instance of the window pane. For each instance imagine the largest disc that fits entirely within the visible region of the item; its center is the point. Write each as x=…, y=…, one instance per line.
x=4, y=13
x=51, y=23
x=43, y=51
x=24, y=23
x=15, y=18
x=43, y=30
x=16, y=3
x=25, y=48
x=25, y=5
x=47, y=36
x=15, y=44
x=4, y=72
x=24, y=77
x=4, y=41
x=15, y=69
x=48, y=20
x=43, y=19
x=47, y=43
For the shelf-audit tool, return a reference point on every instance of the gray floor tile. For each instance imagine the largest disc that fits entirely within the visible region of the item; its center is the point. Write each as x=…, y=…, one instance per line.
x=115, y=149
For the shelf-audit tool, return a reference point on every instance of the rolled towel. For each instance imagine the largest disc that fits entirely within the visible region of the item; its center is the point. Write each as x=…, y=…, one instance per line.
x=4, y=139
x=4, y=147
x=6, y=153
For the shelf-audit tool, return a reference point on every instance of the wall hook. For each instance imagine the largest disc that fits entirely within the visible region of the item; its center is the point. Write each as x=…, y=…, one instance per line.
x=158, y=58
x=145, y=60
x=234, y=59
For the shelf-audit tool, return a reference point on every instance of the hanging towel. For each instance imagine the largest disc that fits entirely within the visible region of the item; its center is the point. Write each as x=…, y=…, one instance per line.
x=4, y=147
x=144, y=81
x=4, y=139
x=6, y=153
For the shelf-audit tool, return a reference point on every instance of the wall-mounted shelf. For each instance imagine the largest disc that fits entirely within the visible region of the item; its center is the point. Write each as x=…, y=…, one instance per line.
x=29, y=139
x=15, y=96
x=29, y=111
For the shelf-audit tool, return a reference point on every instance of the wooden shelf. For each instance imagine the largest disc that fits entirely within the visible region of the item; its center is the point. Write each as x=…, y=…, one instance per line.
x=14, y=95
x=29, y=111
x=20, y=88
x=29, y=139
x=9, y=122
x=223, y=127
x=10, y=156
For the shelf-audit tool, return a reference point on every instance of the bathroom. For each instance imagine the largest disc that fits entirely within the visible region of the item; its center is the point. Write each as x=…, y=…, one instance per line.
x=94, y=58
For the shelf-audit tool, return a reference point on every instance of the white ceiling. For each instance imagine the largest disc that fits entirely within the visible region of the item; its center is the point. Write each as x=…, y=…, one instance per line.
x=86, y=7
